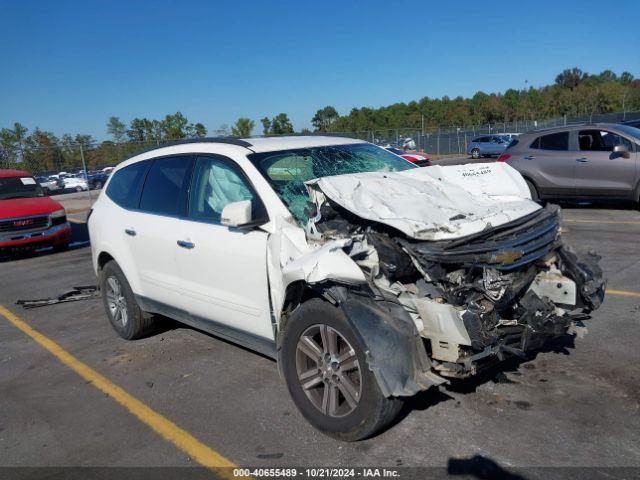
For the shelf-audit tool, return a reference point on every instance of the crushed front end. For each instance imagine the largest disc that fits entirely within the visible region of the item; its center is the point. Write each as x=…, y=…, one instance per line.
x=478, y=298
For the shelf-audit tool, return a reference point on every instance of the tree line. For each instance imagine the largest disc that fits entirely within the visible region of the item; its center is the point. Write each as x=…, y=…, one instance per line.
x=574, y=92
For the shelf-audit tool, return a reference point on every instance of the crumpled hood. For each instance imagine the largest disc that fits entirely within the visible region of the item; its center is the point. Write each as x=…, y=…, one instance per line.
x=432, y=203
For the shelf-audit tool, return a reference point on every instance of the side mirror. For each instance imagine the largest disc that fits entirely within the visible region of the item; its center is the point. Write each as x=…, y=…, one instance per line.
x=236, y=214
x=622, y=151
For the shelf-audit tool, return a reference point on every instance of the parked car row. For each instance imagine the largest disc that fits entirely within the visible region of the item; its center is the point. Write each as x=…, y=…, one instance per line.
x=73, y=181
x=50, y=185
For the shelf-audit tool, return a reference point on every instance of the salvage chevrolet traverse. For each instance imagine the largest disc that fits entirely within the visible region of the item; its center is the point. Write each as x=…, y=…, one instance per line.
x=368, y=279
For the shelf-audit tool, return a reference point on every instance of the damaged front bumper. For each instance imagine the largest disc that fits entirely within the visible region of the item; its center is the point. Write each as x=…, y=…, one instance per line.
x=446, y=309
x=502, y=293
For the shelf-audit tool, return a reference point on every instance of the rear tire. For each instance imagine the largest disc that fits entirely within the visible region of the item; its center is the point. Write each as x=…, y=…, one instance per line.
x=123, y=312
x=339, y=368
x=475, y=153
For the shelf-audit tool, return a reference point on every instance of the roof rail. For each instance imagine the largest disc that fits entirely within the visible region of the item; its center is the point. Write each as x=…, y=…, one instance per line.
x=227, y=140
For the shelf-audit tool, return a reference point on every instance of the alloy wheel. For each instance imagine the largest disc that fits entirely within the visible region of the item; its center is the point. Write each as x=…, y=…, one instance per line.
x=328, y=370
x=116, y=301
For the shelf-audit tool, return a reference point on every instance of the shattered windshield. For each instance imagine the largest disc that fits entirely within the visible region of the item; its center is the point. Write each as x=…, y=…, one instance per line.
x=19, y=187
x=287, y=170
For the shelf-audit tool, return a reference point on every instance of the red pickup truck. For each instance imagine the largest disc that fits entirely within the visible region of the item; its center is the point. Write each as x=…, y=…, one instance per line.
x=28, y=218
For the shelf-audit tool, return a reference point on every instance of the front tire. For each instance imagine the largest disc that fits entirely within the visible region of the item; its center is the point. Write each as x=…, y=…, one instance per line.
x=327, y=375
x=475, y=153
x=123, y=312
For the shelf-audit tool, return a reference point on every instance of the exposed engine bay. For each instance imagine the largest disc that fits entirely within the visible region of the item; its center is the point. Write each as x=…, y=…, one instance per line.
x=493, y=279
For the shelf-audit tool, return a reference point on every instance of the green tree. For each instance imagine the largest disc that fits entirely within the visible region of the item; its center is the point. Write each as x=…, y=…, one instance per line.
x=41, y=151
x=266, y=125
x=174, y=127
x=324, y=118
x=7, y=145
x=242, y=128
x=626, y=78
x=20, y=133
x=281, y=125
x=570, y=78
x=200, y=130
x=136, y=130
x=197, y=130
x=116, y=129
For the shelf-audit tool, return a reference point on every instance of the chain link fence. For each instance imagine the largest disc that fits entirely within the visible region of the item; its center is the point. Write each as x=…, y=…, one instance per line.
x=453, y=140
x=84, y=161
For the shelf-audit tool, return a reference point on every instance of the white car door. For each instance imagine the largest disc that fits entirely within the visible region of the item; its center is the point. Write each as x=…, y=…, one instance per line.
x=223, y=270
x=152, y=229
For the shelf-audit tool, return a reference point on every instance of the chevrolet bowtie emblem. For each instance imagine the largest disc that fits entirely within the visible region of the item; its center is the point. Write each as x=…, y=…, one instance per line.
x=508, y=256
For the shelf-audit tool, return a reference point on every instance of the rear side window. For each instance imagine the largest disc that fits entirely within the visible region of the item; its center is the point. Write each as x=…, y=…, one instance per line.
x=164, y=186
x=124, y=188
x=553, y=141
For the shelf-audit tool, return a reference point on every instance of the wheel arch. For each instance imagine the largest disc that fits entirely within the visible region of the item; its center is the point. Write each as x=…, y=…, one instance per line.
x=392, y=345
x=105, y=255
x=103, y=258
x=532, y=182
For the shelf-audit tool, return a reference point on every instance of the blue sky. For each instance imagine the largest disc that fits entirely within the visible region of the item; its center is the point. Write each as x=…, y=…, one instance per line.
x=67, y=66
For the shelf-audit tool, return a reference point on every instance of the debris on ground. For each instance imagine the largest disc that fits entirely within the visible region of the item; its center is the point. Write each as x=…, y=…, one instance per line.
x=75, y=294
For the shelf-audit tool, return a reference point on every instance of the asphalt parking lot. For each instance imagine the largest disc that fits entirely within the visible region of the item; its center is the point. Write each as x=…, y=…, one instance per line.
x=576, y=404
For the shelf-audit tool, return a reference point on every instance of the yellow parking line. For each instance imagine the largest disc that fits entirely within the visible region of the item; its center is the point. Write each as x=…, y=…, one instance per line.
x=611, y=222
x=75, y=220
x=165, y=428
x=622, y=293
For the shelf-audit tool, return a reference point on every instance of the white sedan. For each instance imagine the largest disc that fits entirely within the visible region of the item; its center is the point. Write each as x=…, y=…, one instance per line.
x=75, y=183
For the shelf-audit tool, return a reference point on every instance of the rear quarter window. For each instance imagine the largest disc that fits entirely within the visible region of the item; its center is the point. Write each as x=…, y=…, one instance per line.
x=553, y=141
x=124, y=188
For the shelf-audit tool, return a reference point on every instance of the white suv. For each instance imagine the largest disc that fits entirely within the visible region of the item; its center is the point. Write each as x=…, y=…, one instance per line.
x=366, y=278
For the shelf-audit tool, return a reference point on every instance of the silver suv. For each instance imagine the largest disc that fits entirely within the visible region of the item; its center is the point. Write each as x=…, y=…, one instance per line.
x=594, y=162
x=488, y=145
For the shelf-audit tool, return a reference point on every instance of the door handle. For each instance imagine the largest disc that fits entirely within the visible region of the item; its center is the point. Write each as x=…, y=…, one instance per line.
x=184, y=244
x=582, y=160
x=130, y=231
x=529, y=157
